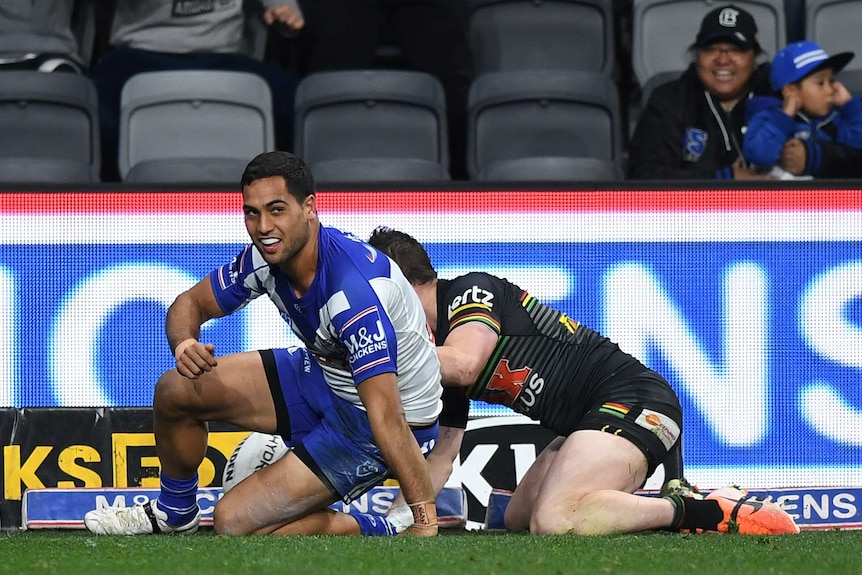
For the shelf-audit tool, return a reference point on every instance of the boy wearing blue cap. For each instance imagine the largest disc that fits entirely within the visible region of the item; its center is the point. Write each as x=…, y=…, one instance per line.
x=815, y=108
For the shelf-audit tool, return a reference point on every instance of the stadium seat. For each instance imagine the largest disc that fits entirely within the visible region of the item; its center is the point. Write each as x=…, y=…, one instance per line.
x=663, y=31
x=510, y=35
x=49, y=128
x=200, y=126
x=542, y=114
x=550, y=169
x=654, y=82
x=367, y=125
x=378, y=170
x=834, y=24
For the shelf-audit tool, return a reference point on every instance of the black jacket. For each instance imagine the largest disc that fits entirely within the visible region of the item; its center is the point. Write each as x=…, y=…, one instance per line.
x=684, y=133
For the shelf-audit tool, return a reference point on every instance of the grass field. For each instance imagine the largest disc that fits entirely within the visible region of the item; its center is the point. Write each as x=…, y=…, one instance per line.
x=458, y=553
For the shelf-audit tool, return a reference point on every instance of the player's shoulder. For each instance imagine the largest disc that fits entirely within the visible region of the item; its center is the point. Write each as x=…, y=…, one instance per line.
x=481, y=279
x=248, y=262
x=347, y=254
x=477, y=287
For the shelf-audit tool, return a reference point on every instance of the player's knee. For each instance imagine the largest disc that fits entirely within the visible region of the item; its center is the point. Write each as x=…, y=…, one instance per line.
x=515, y=519
x=224, y=521
x=550, y=522
x=170, y=391
x=558, y=517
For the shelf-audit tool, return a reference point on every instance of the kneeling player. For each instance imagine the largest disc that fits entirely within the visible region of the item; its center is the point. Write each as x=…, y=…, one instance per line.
x=617, y=419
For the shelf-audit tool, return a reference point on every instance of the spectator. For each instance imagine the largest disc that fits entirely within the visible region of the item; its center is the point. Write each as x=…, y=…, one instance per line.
x=38, y=35
x=155, y=35
x=814, y=108
x=692, y=127
x=346, y=34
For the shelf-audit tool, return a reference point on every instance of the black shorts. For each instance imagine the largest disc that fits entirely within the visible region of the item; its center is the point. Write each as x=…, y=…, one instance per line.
x=643, y=408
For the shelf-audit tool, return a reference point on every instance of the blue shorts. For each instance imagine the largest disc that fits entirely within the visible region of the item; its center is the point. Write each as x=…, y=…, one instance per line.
x=330, y=435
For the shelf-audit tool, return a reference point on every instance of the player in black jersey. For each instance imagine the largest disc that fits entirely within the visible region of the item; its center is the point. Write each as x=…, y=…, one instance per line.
x=616, y=418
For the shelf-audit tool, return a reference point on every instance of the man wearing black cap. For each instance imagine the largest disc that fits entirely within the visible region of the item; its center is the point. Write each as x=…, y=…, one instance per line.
x=692, y=127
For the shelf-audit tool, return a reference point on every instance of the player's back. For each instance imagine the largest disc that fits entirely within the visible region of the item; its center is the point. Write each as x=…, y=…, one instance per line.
x=545, y=365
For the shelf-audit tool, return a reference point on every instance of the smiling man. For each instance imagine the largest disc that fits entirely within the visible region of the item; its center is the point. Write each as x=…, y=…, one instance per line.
x=692, y=127
x=357, y=404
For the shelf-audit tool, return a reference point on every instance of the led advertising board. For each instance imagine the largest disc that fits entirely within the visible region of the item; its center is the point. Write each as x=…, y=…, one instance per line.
x=749, y=302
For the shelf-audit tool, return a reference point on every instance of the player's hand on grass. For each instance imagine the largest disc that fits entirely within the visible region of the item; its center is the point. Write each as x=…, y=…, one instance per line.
x=195, y=358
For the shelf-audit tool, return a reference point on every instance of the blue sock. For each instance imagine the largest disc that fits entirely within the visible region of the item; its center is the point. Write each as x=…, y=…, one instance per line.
x=178, y=498
x=373, y=525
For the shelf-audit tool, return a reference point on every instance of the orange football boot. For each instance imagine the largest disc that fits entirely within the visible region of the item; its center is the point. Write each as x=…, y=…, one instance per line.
x=750, y=516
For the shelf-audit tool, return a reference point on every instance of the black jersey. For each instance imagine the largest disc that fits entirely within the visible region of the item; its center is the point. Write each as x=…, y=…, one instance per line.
x=545, y=365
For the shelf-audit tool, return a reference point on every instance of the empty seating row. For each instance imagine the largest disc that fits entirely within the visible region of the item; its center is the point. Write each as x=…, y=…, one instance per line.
x=376, y=125
x=512, y=35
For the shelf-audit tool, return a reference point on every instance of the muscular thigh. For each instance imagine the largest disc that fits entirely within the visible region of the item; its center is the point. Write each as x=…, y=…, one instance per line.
x=236, y=391
x=523, y=500
x=591, y=460
x=273, y=497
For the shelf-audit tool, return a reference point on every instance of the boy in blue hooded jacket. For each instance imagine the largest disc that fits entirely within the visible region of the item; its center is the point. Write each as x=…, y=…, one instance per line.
x=814, y=108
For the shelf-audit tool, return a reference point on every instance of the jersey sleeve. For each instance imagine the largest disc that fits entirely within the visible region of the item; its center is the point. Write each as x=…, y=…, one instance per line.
x=475, y=297
x=360, y=322
x=456, y=407
x=237, y=283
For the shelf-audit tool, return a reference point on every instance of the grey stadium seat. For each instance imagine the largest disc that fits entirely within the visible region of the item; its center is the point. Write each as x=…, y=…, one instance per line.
x=542, y=114
x=199, y=126
x=372, y=125
x=508, y=35
x=378, y=170
x=834, y=24
x=551, y=169
x=49, y=128
x=663, y=30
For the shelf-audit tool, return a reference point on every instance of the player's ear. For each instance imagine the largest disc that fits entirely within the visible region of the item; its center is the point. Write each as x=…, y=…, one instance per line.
x=310, y=204
x=789, y=90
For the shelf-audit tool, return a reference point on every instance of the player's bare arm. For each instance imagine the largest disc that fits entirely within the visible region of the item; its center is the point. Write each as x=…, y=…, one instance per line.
x=445, y=451
x=440, y=466
x=465, y=352
x=379, y=395
x=185, y=317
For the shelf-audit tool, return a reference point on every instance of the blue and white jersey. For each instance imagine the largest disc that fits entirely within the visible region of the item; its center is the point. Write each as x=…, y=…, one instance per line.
x=359, y=318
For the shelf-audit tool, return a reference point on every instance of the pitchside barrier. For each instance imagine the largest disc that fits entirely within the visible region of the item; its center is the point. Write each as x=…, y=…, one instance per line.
x=495, y=453
x=813, y=508
x=65, y=508
x=749, y=301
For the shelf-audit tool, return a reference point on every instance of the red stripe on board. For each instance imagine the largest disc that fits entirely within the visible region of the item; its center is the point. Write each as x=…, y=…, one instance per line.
x=477, y=201
x=122, y=202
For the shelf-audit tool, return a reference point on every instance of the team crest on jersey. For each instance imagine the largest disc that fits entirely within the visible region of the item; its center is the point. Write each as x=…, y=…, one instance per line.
x=695, y=144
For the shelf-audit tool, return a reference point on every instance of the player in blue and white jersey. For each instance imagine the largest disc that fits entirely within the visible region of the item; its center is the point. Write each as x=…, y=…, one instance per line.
x=358, y=403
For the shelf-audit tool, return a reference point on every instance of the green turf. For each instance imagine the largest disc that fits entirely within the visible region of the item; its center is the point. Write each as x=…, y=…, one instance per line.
x=77, y=552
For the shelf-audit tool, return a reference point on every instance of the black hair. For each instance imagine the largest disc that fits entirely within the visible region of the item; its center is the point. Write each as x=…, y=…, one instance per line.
x=408, y=253
x=296, y=173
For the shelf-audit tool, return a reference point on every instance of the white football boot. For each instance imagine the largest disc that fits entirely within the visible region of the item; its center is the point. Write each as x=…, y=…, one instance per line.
x=138, y=520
